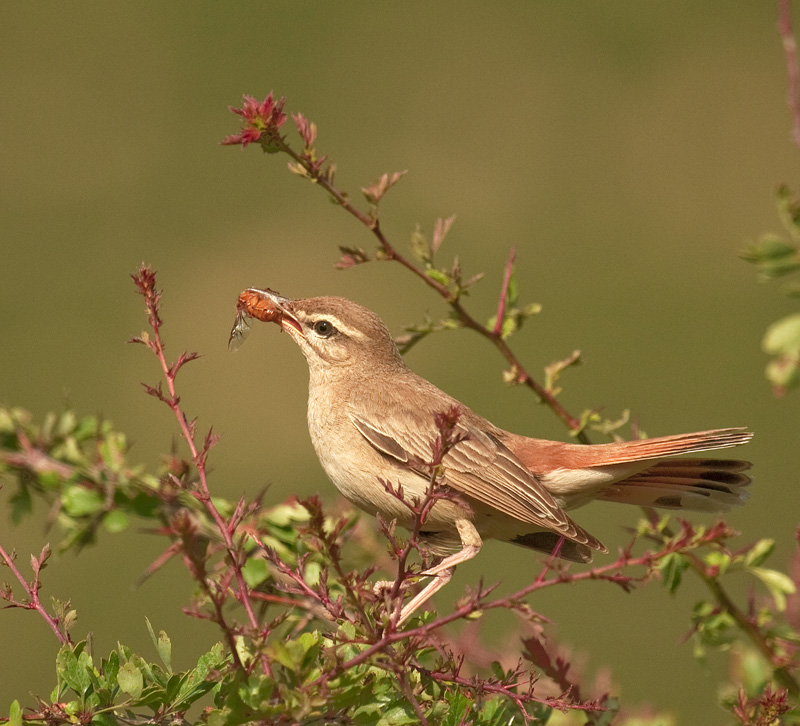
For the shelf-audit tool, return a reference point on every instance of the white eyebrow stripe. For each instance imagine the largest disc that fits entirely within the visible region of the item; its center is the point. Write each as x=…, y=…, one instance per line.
x=338, y=324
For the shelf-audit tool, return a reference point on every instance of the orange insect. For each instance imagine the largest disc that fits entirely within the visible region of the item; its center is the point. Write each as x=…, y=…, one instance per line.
x=252, y=303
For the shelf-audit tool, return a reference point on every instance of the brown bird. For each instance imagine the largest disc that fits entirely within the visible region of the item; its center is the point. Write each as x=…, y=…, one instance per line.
x=370, y=418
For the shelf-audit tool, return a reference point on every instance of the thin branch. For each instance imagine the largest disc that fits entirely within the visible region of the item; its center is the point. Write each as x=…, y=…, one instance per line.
x=145, y=281
x=790, y=51
x=32, y=591
x=501, y=305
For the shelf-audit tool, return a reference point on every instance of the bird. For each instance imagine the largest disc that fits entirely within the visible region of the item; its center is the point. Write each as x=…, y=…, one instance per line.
x=372, y=420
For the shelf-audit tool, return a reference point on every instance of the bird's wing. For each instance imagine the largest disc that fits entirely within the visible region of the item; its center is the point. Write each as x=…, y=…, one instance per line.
x=480, y=466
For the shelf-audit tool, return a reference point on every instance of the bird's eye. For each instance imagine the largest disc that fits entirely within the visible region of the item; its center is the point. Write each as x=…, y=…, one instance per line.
x=324, y=329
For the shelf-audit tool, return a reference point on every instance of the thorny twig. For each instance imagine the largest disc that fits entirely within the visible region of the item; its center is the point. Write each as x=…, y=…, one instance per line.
x=145, y=283
x=32, y=591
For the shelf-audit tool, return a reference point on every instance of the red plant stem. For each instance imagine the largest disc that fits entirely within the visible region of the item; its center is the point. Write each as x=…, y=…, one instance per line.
x=501, y=305
x=604, y=572
x=33, y=593
x=204, y=495
x=790, y=51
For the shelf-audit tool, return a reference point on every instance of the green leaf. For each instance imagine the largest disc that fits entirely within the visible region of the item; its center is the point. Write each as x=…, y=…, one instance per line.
x=110, y=669
x=116, y=521
x=553, y=371
x=194, y=683
x=79, y=501
x=86, y=429
x=72, y=669
x=459, y=704
x=66, y=423
x=104, y=719
x=718, y=559
x=420, y=246
x=130, y=680
x=15, y=714
x=769, y=247
x=112, y=450
x=779, y=268
x=287, y=514
x=21, y=504
x=783, y=372
x=163, y=645
x=509, y=327
x=778, y=584
x=512, y=291
x=759, y=552
x=672, y=568
x=255, y=571
x=783, y=336
x=438, y=276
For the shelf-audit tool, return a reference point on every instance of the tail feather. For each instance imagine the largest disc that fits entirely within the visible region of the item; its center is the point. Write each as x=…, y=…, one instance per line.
x=663, y=446
x=542, y=456
x=704, y=485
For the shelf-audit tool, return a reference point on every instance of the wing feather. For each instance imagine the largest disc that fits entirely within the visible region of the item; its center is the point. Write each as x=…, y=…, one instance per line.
x=480, y=466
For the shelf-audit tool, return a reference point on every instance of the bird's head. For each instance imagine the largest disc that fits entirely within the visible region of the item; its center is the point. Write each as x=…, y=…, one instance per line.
x=333, y=333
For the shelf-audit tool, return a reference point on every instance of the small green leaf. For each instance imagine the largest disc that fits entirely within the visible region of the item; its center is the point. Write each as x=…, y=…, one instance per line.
x=130, y=680
x=759, y=552
x=21, y=504
x=509, y=327
x=420, y=246
x=312, y=573
x=783, y=336
x=512, y=291
x=116, y=521
x=672, y=568
x=255, y=571
x=768, y=248
x=719, y=560
x=194, y=683
x=79, y=501
x=111, y=669
x=438, y=276
x=778, y=584
x=553, y=372
x=163, y=645
x=15, y=714
x=783, y=372
x=73, y=670
x=86, y=429
x=112, y=450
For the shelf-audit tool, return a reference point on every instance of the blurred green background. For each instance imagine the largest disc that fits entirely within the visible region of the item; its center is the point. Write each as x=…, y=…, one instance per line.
x=628, y=150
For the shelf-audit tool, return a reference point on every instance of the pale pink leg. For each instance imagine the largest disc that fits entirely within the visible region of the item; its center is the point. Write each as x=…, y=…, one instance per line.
x=471, y=541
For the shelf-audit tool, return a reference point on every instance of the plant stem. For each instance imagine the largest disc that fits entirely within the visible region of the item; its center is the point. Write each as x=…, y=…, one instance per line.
x=781, y=673
x=32, y=592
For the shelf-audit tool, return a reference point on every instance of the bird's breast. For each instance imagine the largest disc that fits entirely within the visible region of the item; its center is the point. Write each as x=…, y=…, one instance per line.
x=361, y=473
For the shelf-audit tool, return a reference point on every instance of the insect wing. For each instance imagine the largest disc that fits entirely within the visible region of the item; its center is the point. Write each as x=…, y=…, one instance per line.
x=241, y=329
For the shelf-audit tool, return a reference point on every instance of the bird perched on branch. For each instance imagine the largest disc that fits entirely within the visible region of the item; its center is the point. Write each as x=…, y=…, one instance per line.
x=372, y=420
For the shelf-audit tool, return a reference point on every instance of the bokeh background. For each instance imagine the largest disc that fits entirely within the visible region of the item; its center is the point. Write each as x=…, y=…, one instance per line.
x=628, y=150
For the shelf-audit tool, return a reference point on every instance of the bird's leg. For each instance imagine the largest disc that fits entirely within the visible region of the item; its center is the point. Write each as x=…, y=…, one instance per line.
x=442, y=572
